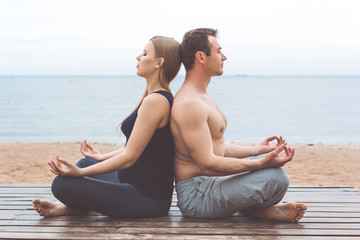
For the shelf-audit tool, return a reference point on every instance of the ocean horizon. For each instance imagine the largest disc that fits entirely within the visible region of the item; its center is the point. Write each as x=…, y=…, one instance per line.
x=71, y=108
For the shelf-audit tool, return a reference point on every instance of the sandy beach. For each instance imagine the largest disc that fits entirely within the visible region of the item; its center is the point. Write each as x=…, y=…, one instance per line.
x=313, y=164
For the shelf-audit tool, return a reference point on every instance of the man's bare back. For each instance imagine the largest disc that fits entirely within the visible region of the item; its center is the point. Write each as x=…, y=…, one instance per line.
x=190, y=99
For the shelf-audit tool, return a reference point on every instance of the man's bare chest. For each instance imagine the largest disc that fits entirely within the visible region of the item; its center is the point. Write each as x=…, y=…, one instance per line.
x=217, y=122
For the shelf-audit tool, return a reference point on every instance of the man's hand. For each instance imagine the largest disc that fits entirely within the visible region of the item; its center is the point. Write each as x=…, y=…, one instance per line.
x=265, y=147
x=274, y=160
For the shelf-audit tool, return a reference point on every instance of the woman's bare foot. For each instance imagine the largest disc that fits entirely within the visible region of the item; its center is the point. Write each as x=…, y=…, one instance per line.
x=50, y=209
x=289, y=212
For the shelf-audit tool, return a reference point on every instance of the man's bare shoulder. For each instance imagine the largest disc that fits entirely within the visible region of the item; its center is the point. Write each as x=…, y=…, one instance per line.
x=185, y=92
x=188, y=103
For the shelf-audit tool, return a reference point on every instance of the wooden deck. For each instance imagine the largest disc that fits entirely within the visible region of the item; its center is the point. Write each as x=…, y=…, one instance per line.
x=334, y=213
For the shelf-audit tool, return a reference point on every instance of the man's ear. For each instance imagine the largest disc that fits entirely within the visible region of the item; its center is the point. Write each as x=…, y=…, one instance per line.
x=160, y=62
x=200, y=56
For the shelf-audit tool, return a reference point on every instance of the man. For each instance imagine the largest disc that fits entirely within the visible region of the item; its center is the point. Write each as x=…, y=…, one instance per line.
x=214, y=179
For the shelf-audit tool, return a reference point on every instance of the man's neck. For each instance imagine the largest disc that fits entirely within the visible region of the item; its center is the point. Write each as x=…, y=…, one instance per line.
x=197, y=79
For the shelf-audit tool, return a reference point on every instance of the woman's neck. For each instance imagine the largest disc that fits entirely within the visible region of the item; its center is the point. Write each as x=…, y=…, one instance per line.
x=153, y=85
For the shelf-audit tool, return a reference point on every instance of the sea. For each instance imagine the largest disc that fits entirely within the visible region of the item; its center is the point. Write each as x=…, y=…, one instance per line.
x=302, y=109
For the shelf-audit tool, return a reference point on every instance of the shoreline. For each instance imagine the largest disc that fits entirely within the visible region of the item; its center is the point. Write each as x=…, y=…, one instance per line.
x=315, y=164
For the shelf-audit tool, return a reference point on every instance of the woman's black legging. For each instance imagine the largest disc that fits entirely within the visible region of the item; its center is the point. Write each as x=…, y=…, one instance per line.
x=105, y=194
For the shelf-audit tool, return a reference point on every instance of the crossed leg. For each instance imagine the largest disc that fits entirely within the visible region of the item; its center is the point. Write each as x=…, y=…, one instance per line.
x=50, y=209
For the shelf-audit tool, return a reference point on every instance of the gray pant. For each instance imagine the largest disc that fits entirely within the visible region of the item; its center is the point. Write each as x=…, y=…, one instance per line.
x=214, y=197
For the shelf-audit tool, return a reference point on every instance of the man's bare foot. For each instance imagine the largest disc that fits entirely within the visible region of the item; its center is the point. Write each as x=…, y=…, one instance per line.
x=289, y=212
x=50, y=209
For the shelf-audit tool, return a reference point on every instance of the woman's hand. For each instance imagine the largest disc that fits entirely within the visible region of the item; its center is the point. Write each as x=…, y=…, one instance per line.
x=64, y=168
x=88, y=151
x=265, y=147
x=274, y=160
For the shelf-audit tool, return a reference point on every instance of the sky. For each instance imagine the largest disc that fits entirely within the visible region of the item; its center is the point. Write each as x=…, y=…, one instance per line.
x=103, y=37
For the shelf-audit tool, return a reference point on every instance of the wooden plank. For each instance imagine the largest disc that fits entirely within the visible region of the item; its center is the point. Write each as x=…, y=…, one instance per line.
x=325, y=192
x=334, y=208
x=318, y=238
x=26, y=195
x=4, y=201
x=16, y=203
x=322, y=214
x=129, y=223
x=333, y=204
x=89, y=236
x=294, y=186
x=330, y=220
x=332, y=215
x=180, y=224
x=318, y=186
x=291, y=188
x=309, y=217
x=172, y=219
x=324, y=198
x=29, y=206
x=308, y=214
x=352, y=206
x=179, y=230
x=338, y=226
x=29, y=190
x=16, y=208
x=322, y=190
x=240, y=223
x=341, y=207
x=4, y=185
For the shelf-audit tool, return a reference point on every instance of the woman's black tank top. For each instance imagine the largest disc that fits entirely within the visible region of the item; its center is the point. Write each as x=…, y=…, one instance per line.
x=153, y=172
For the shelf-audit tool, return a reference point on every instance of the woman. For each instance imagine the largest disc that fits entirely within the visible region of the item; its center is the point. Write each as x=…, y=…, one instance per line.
x=137, y=180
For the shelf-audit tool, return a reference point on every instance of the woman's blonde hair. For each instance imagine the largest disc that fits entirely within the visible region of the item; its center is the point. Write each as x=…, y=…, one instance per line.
x=168, y=49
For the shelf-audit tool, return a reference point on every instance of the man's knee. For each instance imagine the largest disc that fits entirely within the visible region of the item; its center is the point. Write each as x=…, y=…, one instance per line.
x=280, y=178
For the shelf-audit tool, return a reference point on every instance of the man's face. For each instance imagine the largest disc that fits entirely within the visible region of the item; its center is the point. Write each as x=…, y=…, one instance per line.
x=215, y=62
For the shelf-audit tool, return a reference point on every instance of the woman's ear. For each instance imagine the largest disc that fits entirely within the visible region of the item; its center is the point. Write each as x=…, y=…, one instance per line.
x=160, y=62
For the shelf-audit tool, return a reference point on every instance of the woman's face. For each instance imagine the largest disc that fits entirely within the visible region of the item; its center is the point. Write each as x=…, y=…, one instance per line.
x=147, y=62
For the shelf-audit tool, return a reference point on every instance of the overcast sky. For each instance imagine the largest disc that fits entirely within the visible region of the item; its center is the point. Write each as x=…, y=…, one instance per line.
x=259, y=37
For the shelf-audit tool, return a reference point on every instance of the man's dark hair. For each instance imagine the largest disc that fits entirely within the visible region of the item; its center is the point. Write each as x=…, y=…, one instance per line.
x=194, y=41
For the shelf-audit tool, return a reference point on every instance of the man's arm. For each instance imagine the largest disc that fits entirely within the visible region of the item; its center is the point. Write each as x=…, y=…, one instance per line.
x=232, y=150
x=191, y=119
